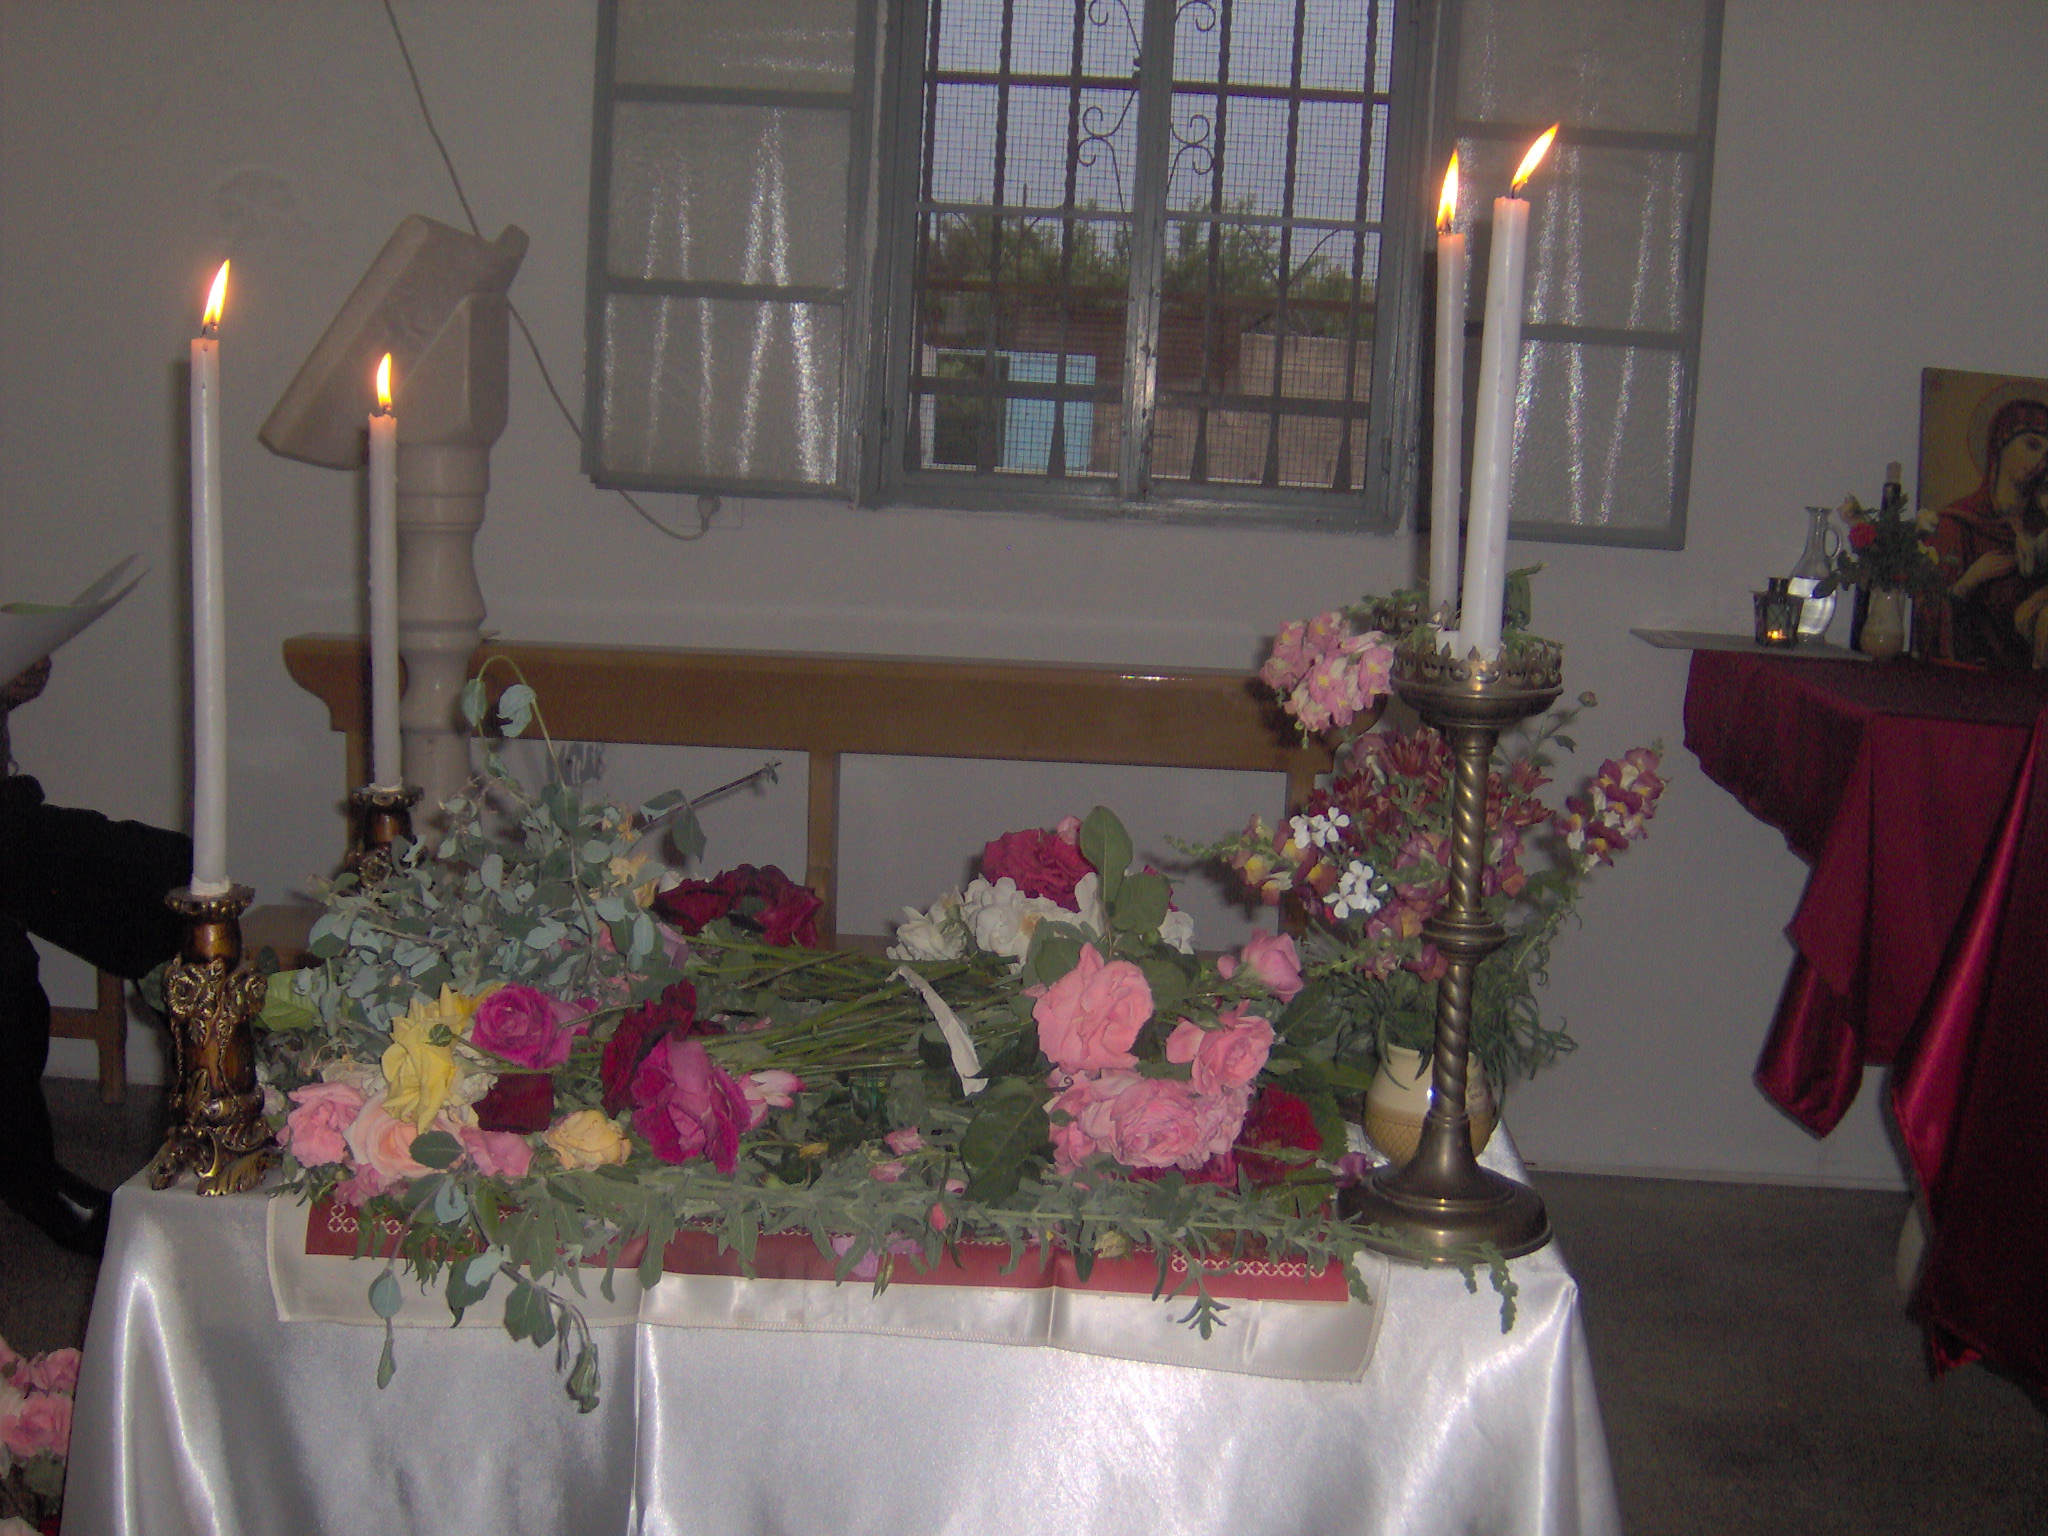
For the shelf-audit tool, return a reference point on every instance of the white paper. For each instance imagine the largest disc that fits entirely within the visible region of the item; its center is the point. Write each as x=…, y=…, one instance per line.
x=29, y=631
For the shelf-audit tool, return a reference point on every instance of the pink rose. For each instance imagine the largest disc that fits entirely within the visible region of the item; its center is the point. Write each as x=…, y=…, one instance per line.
x=887, y=1173
x=939, y=1217
x=1154, y=1123
x=317, y=1129
x=55, y=1372
x=1230, y=1055
x=1089, y=1128
x=770, y=1089
x=1044, y=864
x=497, y=1154
x=42, y=1424
x=905, y=1141
x=686, y=1106
x=1089, y=1017
x=379, y=1142
x=1272, y=958
x=526, y=1027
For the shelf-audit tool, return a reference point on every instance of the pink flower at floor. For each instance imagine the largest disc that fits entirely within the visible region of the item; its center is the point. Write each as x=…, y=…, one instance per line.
x=905, y=1141
x=42, y=1423
x=316, y=1131
x=686, y=1106
x=1089, y=1017
x=55, y=1372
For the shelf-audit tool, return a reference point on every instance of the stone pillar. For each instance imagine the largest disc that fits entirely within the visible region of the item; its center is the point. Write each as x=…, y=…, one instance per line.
x=451, y=408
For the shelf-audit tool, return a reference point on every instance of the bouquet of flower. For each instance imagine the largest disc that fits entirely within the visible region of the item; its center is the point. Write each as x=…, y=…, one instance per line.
x=1367, y=860
x=35, y=1437
x=530, y=1053
x=1889, y=546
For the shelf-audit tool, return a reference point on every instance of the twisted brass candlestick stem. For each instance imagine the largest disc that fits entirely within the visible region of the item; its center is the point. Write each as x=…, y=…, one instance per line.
x=1442, y=1200
x=383, y=816
x=217, y=1132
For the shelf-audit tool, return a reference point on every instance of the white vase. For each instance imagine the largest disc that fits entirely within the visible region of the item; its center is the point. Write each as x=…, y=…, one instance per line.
x=1398, y=1101
x=1884, y=624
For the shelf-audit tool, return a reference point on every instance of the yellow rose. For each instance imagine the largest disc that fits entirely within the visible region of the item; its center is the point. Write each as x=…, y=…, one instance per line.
x=587, y=1139
x=421, y=1074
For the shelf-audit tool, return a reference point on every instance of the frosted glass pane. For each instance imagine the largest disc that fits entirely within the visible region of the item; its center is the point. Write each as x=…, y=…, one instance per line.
x=790, y=45
x=1606, y=233
x=722, y=388
x=728, y=194
x=1596, y=436
x=1593, y=63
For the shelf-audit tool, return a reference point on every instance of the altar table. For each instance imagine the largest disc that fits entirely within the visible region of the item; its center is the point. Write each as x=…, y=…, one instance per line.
x=199, y=1412
x=1920, y=796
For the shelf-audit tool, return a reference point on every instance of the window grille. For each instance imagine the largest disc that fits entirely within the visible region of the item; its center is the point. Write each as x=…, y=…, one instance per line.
x=1146, y=251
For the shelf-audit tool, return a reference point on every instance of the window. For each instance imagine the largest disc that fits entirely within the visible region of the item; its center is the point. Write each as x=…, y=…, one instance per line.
x=1136, y=255
x=1139, y=262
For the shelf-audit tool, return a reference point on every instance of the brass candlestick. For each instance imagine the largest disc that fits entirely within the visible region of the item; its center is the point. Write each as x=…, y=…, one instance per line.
x=218, y=1132
x=383, y=815
x=1441, y=1198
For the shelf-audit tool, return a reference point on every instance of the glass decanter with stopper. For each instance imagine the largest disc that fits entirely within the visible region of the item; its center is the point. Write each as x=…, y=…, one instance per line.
x=1815, y=563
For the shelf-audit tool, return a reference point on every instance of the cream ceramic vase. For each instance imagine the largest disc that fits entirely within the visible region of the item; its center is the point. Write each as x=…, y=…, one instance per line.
x=1398, y=1100
x=1884, y=624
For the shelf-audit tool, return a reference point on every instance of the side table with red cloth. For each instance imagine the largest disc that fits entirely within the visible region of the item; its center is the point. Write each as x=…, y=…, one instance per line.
x=1891, y=781
x=1920, y=795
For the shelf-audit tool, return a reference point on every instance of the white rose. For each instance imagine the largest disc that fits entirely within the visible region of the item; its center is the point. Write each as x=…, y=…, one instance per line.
x=1179, y=931
x=1003, y=919
x=929, y=935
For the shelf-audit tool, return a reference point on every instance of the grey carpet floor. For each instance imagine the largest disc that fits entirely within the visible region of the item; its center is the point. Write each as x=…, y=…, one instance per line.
x=1756, y=1369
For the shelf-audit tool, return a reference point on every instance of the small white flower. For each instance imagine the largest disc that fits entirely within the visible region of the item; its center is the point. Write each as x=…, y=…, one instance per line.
x=1354, y=896
x=1179, y=931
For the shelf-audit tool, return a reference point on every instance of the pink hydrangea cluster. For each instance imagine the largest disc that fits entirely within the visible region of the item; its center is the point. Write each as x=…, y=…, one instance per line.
x=1088, y=1022
x=35, y=1402
x=1615, y=809
x=1325, y=673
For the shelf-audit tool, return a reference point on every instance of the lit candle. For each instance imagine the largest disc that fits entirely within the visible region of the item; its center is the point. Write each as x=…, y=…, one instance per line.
x=1493, y=437
x=209, y=630
x=1448, y=481
x=386, y=770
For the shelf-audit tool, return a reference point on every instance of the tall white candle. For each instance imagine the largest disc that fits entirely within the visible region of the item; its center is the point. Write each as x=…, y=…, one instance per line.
x=209, y=629
x=386, y=770
x=1493, y=436
x=1447, y=478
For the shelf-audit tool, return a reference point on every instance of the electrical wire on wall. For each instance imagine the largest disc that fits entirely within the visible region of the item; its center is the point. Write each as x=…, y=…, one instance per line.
x=706, y=506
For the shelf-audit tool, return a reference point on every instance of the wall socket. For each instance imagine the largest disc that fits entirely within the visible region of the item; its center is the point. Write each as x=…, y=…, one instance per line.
x=721, y=511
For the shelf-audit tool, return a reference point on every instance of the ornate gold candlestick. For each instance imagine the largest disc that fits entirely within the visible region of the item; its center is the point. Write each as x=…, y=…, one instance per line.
x=383, y=815
x=217, y=1130
x=1442, y=1198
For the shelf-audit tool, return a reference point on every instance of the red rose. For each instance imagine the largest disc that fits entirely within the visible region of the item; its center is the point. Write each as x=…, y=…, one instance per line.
x=1041, y=863
x=686, y=1106
x=517, y=1101
x=1278, y=1119
x=1860, y=536
x=675, y=1012
x=793, y=919
x=689, y=906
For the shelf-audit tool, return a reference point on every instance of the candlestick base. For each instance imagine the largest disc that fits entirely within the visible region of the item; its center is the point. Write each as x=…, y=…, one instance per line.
x=1442, y=1204
x=217, y=1132
x=383, y=816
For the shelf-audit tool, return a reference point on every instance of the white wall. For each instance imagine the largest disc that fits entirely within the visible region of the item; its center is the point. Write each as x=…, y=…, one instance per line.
x=1877, y=208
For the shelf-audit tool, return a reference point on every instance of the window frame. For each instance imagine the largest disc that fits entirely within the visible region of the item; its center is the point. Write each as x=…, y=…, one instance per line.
x=1390, y=479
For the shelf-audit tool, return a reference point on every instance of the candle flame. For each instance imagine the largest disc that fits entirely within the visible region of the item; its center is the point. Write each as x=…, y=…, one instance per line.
x=1535, y=157
x=1447, y=205
x=216, y=301
x=384, y=384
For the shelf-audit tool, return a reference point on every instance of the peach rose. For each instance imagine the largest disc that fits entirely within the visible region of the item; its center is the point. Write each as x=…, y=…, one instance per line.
x=587, y=1139
x=383, y=1143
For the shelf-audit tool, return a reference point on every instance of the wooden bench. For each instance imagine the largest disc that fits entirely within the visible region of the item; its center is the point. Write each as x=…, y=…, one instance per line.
x=827, y=706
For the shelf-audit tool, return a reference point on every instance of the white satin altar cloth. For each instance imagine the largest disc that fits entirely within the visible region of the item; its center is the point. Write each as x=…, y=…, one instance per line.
x=199, y=1412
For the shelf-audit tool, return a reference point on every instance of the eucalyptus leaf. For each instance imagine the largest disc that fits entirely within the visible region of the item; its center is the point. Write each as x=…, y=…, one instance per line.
x=385, y=1296
x=515, y=709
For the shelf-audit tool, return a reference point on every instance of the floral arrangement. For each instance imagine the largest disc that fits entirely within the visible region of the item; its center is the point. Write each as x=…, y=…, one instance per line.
x=531, y=1052
x=35, y=1437
x=1367, y=860
x=1889, y=546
